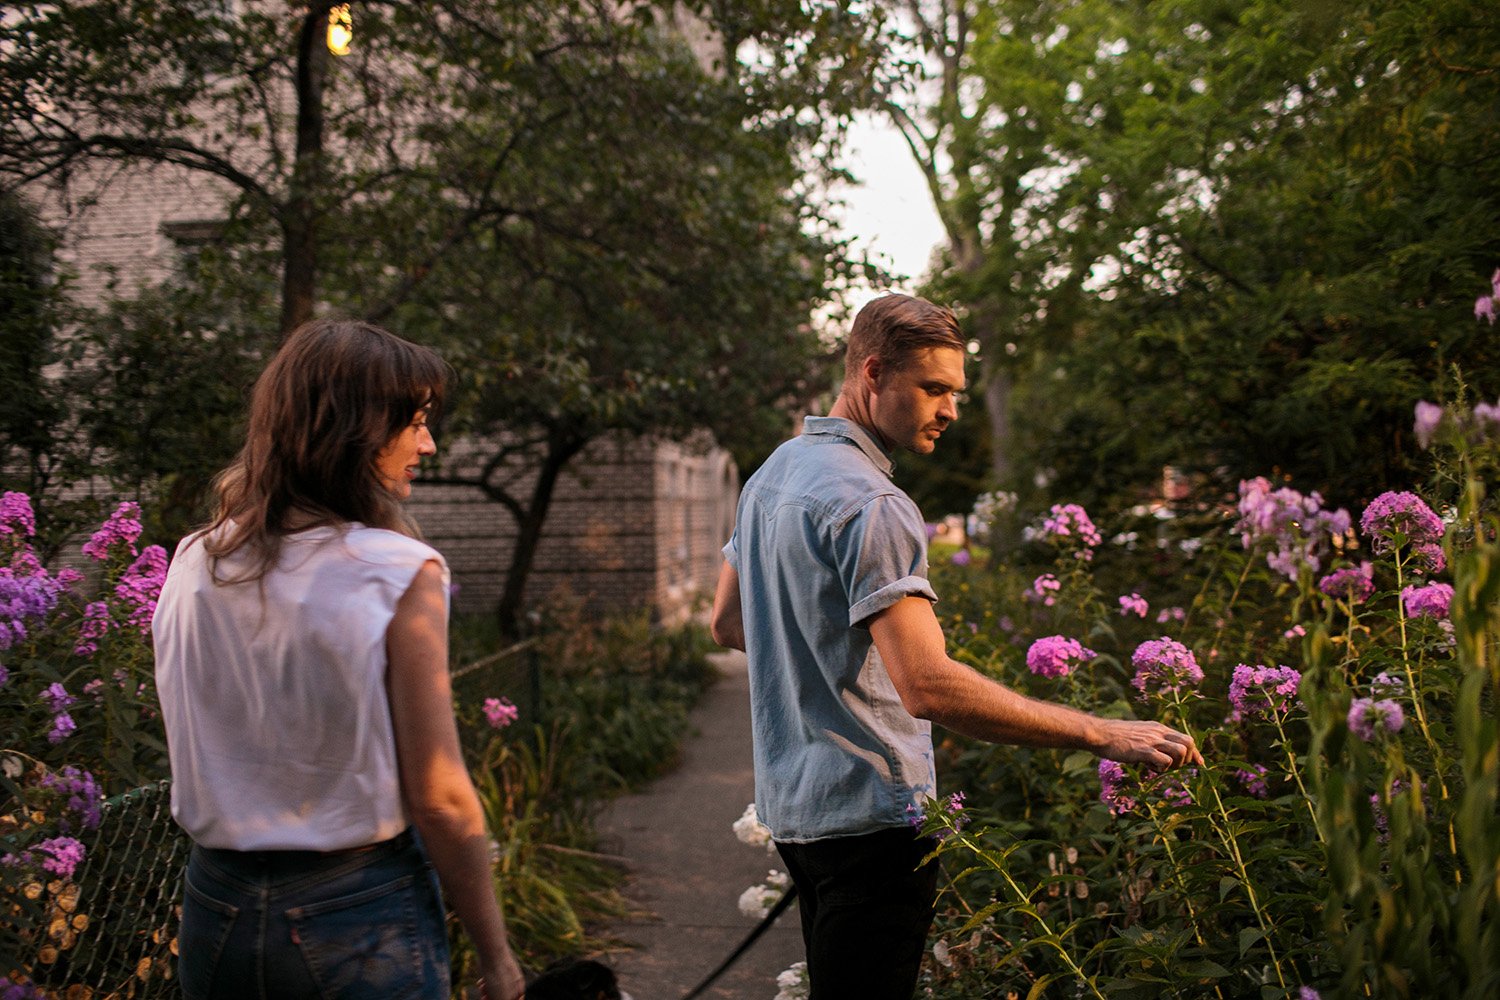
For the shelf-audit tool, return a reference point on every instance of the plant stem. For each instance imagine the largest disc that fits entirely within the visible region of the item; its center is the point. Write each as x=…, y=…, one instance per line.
x=1291, y=759
x=1187, y=897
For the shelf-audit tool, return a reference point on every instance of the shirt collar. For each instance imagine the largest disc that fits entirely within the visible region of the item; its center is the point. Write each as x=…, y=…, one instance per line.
x=848, y=429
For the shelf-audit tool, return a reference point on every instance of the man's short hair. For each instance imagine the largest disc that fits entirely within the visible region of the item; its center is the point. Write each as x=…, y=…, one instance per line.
x=897, y=327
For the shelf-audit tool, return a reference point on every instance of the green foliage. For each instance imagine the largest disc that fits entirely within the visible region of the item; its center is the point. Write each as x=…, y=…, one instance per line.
x=613, y=705
x=1360, y=863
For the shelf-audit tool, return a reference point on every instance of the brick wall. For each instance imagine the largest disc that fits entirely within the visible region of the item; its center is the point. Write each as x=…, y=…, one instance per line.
x=633, y=523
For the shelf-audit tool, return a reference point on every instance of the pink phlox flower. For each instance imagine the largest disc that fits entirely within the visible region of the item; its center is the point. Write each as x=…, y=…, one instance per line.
x=961, y=558
x=94, y=626
x=1171, y=614
x=1354, y=584
x=1428, y=558
x=1056, y=656
x=1044, y=588
x=499, y=712
x=122, y=528
x=1134, y=604
x=16, y=515
x=1399, y=517
x=1429, y=416
x=1431, y=601
x=1164, y=665
x=1484, y=308
x=1257, y=691
x=1495, y=283
x=1115, y=787
x=1295, y=632
x=1071, y=522
x=1253, y=780
x=1308, y=993
x=956, y=802
x=1368, y=716
x=140, y=586
x=61, y=856
x=1298, y=525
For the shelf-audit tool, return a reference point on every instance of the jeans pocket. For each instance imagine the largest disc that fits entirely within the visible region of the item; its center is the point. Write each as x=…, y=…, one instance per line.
x=206, y=923
x=379, y=942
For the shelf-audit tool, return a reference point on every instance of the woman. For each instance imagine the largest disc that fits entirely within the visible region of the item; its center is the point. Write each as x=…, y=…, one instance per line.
x=302, y=663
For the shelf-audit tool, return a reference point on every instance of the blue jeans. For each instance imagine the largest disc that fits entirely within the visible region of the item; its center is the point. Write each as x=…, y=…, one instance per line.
x=282, y=925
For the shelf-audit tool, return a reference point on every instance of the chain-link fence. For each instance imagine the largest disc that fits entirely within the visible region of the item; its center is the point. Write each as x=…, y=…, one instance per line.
x=111, y=931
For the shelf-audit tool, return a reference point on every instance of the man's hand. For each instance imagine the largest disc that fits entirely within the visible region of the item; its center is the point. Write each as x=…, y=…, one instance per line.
x=1150, y=743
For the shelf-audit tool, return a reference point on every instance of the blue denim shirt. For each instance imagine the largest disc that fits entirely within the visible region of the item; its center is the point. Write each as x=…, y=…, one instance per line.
x=823, y=541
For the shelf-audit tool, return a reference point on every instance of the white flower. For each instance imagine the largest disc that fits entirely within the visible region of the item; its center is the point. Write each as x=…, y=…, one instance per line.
x=792, y=984
x=778, y=880
x=940, y=952
x=757, y=901
x=749, y=830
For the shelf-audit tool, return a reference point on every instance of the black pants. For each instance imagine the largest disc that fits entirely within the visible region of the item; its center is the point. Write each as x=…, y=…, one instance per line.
x=866, y=908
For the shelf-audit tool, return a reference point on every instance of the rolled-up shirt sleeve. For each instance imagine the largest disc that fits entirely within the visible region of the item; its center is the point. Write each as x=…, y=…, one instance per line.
x=882, y=556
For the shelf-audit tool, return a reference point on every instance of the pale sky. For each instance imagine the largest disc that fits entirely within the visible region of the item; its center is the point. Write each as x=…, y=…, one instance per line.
x=891, y=212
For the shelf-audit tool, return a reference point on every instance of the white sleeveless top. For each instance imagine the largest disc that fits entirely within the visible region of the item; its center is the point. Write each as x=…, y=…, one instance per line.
x=274, y=691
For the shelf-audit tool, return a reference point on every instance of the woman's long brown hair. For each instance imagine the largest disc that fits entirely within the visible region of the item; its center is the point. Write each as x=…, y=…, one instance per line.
x=334, y=395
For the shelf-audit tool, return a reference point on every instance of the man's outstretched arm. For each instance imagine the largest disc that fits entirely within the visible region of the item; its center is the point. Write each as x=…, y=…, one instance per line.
x=933, y=686
x=727, y=626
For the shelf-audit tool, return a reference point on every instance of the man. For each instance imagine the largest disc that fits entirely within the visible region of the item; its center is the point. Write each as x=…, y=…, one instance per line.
x=825, y=587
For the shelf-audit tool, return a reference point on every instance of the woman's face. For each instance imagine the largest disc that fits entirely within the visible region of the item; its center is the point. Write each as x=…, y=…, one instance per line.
x=397, y=463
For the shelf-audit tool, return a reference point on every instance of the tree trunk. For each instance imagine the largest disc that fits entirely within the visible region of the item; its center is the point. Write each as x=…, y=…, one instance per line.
x=299, y=275
x=561, y=447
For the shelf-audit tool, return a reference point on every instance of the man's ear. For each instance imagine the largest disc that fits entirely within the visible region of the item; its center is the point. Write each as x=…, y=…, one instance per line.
x=874, y=367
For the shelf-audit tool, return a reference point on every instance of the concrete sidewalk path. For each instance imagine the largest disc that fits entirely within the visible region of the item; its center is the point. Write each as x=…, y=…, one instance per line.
x=687, y=869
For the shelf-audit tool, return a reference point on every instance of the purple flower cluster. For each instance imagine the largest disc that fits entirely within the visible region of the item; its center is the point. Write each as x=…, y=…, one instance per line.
x=961, y=558
x=1298, y=525
x=56, y=697
x=63, y=726
x=1253, y=780
x=1172, y=790
x=1134, y=604
x=1396, y=518
x=1431, y=601
x=1428, y=417
x=122, y=528
x=1164, y=666
x=1056, y=656
x=82, y=796
x=1354, y=584
x=1368, y=716
x=499, y=712
x=58, y=856
x=16, y=515
x=1067, y=524
x=1257, y=691
x=26, y=600
x=1044, y=589
x=18, y=991
x=1115, y=788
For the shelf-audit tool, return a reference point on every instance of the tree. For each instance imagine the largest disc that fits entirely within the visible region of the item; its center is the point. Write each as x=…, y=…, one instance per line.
x=1221, y=236
x=600, y=233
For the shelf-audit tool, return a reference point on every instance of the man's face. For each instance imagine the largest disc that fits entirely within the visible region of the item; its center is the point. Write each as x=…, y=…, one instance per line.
x=912, y=406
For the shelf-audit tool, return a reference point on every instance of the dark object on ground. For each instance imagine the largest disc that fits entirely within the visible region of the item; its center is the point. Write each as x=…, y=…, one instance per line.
x=574, y=979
